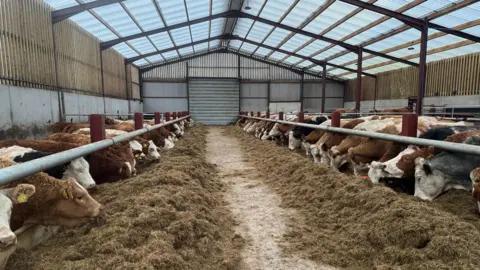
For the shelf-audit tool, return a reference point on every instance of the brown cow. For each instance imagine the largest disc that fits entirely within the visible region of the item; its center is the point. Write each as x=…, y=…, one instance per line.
x=55, y=202
x=105, y=166
x=475, y=177
x=370, y=150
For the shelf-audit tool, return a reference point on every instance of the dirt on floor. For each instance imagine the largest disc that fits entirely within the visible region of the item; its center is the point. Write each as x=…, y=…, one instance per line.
x=350, y=223
x=171, y=216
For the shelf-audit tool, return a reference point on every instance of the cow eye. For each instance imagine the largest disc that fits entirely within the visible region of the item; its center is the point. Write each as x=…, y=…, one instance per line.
x=80, y=197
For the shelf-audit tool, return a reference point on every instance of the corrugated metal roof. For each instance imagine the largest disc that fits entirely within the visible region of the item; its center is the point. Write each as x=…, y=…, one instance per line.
x=353, y=25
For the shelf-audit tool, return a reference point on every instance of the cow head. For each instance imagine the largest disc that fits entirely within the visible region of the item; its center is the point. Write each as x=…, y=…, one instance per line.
x=152, y=150
x=428, y=181
x=293, y=142
x=9, y=197
x=168, y=145
x=337, y=160
x=475, y=177
x=79, y=169
x=74, y=201
x=137, y=150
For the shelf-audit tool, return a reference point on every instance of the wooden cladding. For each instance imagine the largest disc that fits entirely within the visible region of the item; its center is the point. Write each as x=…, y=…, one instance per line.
x=455, y=76
x=28, y=54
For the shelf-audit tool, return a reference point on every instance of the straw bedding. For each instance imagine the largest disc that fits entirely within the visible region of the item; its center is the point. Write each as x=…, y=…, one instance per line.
x=349, y=223
x=171, y=216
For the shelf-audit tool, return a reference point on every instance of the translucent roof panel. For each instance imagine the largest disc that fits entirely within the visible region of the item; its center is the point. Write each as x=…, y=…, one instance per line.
x=274, y=9
x=262, y=51
x=344, y=59
x=181, y=35
x=292, y=60
x=305, y=64
x=125, y=50
x=277, y=56
x=316, y=69
x=94, y=26
x=216, y=27
x=201, y=46
x=276, y=37
x=313, y=47
x=197, y=9
x=173, y=11
x=235, y=44
x=170, y=55
x=142, y=12
x=155, y=58
x=61, y=4
x=353, y=24
x=143, y=45
x=332, y=14
x=242, y=27
x=375, y=31
x=296, y=41
x=141, y=62
x=248, y=47
x=185, y=51
x=219, y=6
x=328, y=53
x=259, y=31
x=200, y=31
x=301, y=11
x=118, y=19
x=161, y=40
x=215, y=43
x=255, y=6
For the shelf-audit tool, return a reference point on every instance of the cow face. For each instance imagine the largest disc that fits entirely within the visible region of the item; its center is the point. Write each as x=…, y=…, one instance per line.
x=9, y=197
x=79, y=169
x=293, y=143
x=76, y=202
x=325, y=156
x=153, y=151
x=168, y=145
x=337, y=159
x=429, y=182
x=137, y=150
x=475, y=177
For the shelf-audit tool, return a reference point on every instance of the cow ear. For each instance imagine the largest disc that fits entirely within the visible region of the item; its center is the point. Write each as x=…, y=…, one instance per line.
x=302, y=137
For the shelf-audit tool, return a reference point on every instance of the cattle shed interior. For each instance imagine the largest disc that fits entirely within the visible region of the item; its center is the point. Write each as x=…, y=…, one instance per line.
x=208, y=70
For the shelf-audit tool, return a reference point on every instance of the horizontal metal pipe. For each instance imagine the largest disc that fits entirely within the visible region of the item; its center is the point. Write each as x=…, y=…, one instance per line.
x=12, y=173
x=453, y=147
x=104, y=114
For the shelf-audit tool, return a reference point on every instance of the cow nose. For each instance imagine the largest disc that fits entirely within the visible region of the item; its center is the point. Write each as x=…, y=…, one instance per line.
x=7, y=238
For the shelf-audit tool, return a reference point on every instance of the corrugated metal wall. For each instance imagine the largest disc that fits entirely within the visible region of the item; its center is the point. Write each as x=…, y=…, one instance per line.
x=460, y=74
x=165, y=97
x=255, y=76
x=253, y=97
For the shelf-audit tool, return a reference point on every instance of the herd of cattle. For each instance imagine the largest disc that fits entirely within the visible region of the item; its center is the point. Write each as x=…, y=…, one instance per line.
x=424, y=172
x=44, y=199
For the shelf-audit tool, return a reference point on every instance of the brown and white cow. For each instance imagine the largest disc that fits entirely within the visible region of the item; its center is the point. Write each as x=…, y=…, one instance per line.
x=108, y=165
x=8, y=198
x=475, y=177
x=338, y=153
x=55, y=202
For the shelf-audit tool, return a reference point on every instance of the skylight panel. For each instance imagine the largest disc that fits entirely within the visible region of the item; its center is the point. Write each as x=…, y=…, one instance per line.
x=161, y=40
x=173, y=11
x=118, y=19
x=197, y=9
x=93, y=26
x=142, y=45
x=144, y=12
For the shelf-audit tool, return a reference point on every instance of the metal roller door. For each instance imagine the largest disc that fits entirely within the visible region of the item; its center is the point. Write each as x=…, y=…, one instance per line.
x=214, y=101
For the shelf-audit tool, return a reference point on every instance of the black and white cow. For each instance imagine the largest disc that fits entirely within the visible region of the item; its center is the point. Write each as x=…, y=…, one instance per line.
x=295, y=135
x=444, y=171
x=77, y=168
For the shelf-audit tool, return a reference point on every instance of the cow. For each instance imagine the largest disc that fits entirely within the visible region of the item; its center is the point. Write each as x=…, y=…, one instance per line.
x=403, y=165
x=129, y=155
x=77, y=169
x=295, y=135
x=394, y=110
x=9, y=197
x=107, y=165
x=370, y=150
x=445, y=171
x=330, y=139
x=156, y=137
x=55, y=202
x=475, y=178
x=338, y=153
x=313, y=137
x=141, y=148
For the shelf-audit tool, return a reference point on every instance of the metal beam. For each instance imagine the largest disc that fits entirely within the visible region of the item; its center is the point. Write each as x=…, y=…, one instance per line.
x=230, y=37
x=422, y=69
x=63, y=14
x=414, y=22
x=324, y=87
x=358, y=89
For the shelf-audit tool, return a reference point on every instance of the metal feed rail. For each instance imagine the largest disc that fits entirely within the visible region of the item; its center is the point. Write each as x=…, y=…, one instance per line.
x=453, y=147
x=19, y=171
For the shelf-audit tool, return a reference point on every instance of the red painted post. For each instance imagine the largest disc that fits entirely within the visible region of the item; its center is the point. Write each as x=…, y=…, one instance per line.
x=280, y=116
x=138, y=119
x=300, y=116
x=167, y=116
x=97, y=127
x=156, y=115
x=410, y=125
x=268, y=114
x=336, y=119
x=258, y=114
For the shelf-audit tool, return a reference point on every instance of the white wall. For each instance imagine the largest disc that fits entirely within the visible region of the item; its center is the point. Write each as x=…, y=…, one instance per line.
x=26, y=113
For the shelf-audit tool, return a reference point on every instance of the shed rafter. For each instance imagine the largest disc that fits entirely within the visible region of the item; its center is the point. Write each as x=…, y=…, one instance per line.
x=63, y=14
